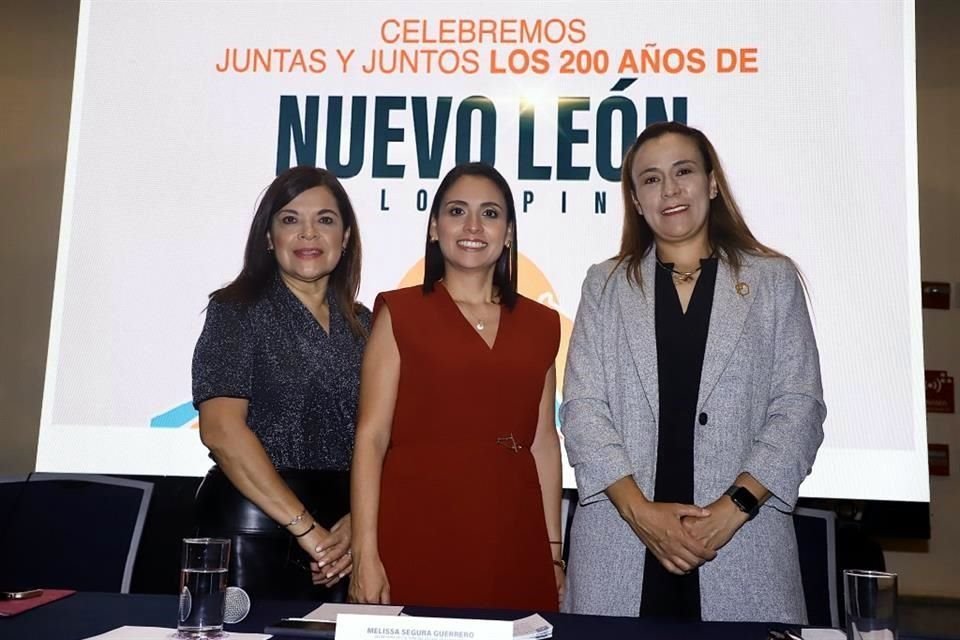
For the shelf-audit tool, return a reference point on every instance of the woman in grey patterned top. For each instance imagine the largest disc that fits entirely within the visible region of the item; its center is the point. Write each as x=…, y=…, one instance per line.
x=692, y=403
x=275, y=378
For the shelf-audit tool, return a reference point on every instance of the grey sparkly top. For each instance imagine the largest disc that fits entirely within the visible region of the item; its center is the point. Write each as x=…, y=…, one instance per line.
x=302, y=383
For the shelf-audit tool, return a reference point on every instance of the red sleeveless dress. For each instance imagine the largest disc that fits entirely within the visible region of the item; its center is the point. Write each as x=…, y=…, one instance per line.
x=461, y=520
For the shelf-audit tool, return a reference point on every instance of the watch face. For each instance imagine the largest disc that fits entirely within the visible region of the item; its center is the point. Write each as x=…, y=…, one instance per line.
x=744, y=500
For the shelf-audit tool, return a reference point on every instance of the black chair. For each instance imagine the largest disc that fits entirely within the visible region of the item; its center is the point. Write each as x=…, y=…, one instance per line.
x=70, y=531
x=817, y=545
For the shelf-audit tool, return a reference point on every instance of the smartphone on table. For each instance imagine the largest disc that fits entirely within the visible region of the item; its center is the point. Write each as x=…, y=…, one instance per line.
x=21, y=595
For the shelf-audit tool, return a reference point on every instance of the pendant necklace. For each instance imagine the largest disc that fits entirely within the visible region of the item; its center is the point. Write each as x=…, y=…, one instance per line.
x=479, y=325
x=680, y=276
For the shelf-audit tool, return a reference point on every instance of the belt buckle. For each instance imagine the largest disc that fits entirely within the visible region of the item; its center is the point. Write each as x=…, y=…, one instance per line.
x=509, y=442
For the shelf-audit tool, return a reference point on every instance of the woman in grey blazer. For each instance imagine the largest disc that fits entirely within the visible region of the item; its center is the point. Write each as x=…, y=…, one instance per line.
x=692, y=407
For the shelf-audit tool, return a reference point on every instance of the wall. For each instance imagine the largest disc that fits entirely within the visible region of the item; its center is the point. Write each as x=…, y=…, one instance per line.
x=37, y=45
x=37, y=41
x=931, y=569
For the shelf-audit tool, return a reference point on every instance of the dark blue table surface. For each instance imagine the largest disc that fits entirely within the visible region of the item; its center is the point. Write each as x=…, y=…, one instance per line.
x=87, y=614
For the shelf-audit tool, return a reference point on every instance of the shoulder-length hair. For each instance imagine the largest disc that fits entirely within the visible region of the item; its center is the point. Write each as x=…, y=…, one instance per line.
x=727, y=231
x=260, y=264
x=505, y=270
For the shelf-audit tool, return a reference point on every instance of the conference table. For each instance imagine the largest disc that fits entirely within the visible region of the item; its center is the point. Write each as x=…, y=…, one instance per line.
x=83, y=615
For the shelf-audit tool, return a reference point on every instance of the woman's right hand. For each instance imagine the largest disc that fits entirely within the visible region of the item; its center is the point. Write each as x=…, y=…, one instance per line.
x=368, y=582
x=329, y=552
x=659, y=525
x=309, y=543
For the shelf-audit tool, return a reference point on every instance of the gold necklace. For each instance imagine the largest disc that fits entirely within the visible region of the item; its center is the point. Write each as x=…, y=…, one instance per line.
x=681, y=276
x=479, y=325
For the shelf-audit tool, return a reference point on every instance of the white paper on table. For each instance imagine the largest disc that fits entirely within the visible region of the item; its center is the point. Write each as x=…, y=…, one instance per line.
x=327, y=612
x=363, y=627
x=823, y=634
x=160, y=633
x=879, y=634
x=533, y=627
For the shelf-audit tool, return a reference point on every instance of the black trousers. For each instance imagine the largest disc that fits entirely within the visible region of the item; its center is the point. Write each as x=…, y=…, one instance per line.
x=265, y=560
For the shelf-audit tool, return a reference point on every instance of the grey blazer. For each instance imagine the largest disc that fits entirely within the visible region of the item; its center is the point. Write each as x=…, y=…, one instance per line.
x=760, y=388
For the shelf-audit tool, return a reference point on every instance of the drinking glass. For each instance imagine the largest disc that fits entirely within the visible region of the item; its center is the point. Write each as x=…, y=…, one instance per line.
x=871, y=604
x=203, y=586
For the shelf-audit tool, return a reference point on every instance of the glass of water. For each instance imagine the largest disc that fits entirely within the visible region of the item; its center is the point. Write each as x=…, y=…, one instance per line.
x=203, y=587
x=871, y=604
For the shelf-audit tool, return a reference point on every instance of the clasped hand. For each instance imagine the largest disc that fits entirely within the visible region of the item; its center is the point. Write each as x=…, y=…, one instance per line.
x=681, y=536
x=660, y=527
x=718, y=528
x=329, y=552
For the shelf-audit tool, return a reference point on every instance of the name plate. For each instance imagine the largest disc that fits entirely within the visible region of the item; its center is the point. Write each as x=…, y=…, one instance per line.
x=362, y=627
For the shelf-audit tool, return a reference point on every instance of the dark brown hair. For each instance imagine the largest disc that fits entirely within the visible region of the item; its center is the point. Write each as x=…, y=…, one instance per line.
x=727, y=231
x=259, y=263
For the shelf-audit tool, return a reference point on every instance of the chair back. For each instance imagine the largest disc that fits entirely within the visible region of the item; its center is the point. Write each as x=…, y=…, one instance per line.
x=817, y=546
x=70, y=531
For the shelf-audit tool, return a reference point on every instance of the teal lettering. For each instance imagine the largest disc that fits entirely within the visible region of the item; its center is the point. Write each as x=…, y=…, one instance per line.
x=430, y=153
x=304, y=135
x=488, y=129
x=384, y=134
x=567, y=136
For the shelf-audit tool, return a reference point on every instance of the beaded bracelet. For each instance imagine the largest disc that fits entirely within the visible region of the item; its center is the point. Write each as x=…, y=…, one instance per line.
x=297, y=519
x=313, y=526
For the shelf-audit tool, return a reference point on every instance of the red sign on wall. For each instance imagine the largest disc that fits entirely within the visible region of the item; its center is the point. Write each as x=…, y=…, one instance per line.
x=936, y=295
x=939, y=458
x=939, y=392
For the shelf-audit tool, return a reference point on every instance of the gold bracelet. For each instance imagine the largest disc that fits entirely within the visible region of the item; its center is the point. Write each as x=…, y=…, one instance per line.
x=562, y=564
x=297, y=519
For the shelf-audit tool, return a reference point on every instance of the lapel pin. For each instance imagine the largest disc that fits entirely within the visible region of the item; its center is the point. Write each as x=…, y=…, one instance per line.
x=743, y=288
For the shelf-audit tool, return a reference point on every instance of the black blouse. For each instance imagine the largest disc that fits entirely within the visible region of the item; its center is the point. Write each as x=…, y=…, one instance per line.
x=681, y=343
x=302, y=384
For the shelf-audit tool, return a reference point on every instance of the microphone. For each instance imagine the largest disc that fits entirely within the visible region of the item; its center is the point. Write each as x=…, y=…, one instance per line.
x=236, y=605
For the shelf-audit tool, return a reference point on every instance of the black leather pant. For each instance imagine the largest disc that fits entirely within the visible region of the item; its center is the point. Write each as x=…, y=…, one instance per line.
x=265, y=560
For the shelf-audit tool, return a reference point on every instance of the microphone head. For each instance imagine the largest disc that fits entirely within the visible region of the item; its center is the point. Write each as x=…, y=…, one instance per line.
x=236, y=605
x=186, y=604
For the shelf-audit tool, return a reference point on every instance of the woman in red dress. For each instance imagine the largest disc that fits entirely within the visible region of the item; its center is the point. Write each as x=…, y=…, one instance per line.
x=455, y=485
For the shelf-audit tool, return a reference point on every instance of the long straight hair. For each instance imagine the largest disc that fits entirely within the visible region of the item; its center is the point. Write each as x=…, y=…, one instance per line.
x=505, y=270
x=727, y=231
x=260, y=264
